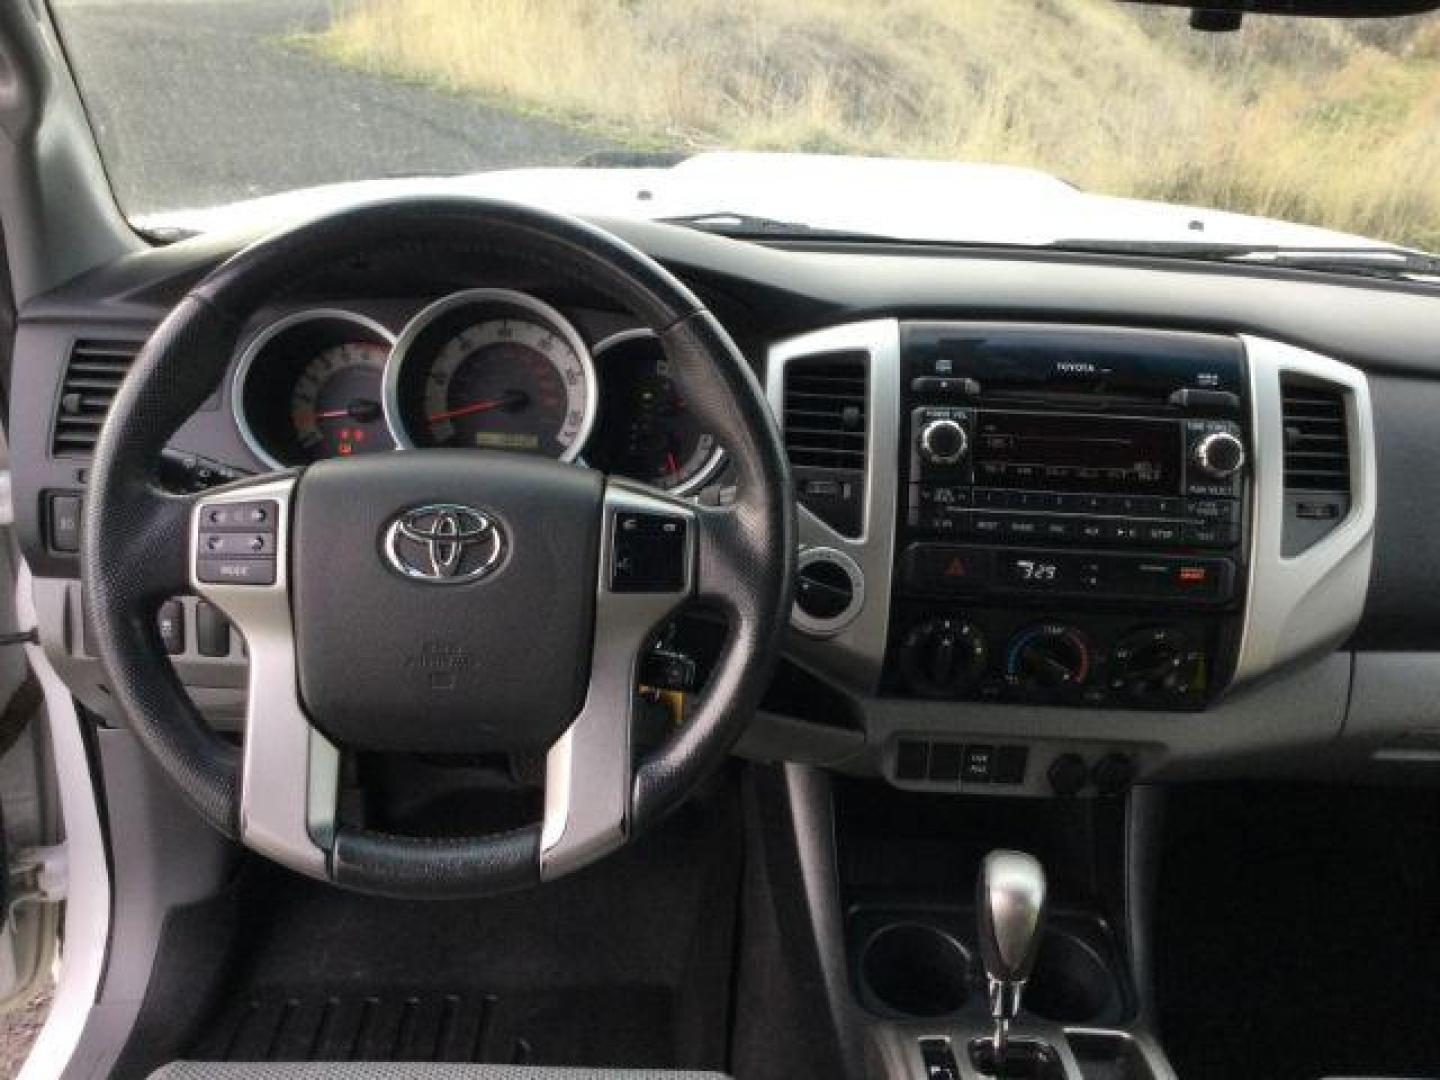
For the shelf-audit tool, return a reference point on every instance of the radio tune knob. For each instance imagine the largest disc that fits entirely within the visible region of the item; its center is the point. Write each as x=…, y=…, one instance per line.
x=943, y=442
x=1219, y=454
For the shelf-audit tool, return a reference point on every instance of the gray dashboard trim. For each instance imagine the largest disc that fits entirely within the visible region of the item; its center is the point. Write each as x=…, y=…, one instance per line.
x=1310, y=602
x=854, y=655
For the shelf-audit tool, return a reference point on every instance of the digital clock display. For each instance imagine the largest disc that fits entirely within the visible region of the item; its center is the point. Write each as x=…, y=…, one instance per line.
x=1034, y=571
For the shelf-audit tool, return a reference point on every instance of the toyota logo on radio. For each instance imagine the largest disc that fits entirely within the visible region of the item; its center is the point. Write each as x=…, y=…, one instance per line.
x=444, y=544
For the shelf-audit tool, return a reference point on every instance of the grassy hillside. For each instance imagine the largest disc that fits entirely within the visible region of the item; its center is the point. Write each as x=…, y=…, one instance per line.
x=1322, y=122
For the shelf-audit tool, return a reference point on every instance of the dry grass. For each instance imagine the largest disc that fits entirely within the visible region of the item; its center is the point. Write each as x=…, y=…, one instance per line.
x=1311, y=121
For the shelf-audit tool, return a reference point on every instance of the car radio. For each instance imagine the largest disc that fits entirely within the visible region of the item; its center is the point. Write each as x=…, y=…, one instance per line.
x=1073, y=517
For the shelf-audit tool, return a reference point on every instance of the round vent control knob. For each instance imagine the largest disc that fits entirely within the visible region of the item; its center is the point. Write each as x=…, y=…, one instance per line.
x=829, y=589
x=1219, y=454
x=943, y=442
x=943, y=657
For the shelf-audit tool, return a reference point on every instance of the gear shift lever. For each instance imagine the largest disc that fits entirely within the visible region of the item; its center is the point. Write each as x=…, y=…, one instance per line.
x=1010, y=900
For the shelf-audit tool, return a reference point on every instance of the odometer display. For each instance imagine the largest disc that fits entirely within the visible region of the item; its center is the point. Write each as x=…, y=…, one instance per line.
x=495, y=370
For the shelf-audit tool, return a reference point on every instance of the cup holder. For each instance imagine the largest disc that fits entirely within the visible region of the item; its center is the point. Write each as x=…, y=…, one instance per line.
x=1070, y=983
x=916, y=970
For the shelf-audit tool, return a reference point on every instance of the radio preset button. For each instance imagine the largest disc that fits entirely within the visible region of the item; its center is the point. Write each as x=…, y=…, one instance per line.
x=1211, y=509
x=1211, y=534
x=1023, y=528
x=1164, y=533
x=987, y=525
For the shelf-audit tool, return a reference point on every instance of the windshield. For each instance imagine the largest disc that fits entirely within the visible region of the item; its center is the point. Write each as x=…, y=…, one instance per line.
x=1331, y=124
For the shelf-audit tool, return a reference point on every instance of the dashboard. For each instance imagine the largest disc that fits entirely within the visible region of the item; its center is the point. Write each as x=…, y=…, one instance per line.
x=1066, y=521
x=488, y=368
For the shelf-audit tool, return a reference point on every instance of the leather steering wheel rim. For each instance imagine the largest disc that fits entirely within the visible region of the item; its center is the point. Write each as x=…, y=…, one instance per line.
x=136, y=544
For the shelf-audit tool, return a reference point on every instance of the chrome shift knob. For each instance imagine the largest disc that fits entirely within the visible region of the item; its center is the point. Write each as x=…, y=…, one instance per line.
x=1010, y=900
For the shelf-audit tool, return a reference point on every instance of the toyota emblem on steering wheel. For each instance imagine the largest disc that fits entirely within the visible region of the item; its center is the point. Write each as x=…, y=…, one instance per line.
x=444, y=544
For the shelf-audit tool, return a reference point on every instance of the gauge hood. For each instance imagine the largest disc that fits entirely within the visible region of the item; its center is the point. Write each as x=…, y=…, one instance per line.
x=928, y=201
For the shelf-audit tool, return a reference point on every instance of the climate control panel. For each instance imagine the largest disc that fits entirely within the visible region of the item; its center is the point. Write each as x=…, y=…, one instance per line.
x=1057, y=658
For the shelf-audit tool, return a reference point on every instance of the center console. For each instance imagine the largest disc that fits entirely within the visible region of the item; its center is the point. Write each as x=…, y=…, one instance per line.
x=1073, y=516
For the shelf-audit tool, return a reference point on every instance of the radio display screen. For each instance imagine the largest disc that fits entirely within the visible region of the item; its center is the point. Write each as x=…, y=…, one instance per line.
x=1077, y=453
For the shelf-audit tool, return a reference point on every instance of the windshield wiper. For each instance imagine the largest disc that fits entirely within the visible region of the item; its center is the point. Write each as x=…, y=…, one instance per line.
x=750, y=226
x=1383, y=262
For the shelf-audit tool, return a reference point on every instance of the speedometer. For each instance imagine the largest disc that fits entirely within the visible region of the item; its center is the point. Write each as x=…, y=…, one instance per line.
x=492, y=369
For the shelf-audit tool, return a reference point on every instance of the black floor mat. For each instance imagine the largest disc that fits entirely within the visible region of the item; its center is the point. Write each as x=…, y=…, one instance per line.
x=627, y=963
x=1298, y=933
x=305, y=1024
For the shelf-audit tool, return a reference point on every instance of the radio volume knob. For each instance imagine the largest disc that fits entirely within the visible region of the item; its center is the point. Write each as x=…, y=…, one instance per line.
x=943, y=442
x=1219, y=454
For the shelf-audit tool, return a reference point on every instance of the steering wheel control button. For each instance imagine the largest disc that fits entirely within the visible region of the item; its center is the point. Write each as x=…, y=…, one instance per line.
x=257, y=516
x=648, y=553
x=233, y=571
x=171, y=624
x=236, y=544
x=215, y=545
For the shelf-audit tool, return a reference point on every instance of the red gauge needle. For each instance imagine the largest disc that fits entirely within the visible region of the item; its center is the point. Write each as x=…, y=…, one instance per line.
x=509, y=400
x=466, y=410
x=671, y=464
x=332, y=414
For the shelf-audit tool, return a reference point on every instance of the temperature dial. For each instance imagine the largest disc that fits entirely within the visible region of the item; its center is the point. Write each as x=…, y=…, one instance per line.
x=943, y=657
x=1156, y=662
x=1050, y=658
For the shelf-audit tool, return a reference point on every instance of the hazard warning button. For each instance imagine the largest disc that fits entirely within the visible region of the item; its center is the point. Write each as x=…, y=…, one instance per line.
x=946, y=568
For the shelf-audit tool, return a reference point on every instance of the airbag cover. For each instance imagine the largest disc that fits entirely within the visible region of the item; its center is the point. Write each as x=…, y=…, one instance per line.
x=392, y=659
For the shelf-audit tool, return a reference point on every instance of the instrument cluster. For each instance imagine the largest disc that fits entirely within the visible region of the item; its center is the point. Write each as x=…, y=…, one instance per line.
x=485, y=369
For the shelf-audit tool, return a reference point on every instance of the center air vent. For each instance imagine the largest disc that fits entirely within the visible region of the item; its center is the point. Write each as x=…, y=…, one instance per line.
x=1317, y=460
x=824, y=425
x=92, y=377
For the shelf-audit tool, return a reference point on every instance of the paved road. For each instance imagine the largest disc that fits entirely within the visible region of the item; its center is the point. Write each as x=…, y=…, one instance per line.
x=198, y=102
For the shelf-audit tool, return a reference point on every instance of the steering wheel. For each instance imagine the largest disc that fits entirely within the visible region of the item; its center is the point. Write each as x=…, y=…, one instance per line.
x=435, y=601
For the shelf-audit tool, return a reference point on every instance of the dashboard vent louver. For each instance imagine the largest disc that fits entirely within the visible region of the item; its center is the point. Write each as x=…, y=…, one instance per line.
x=824, y=423
x=825, y=411
x=1317, y=441
x=92, y=378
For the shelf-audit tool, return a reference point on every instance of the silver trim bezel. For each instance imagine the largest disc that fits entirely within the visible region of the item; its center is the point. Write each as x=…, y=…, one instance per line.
x=716, y=460
x=399, y=355
x=854, y=655
x=1303, y=604
x=588, y=769
x=264, y=337
x=290, y=773
x=824, y=628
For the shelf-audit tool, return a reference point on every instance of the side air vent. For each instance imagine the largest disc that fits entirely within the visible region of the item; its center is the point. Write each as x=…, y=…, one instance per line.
x=1317, y=460
x=824, y=425
x=92, y=376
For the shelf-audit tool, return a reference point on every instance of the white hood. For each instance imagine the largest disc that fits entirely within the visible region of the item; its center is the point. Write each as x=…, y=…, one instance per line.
x=886, y=197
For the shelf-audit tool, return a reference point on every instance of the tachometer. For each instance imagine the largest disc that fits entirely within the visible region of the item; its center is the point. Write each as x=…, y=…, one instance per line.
x=335, y=405
x=645, y=429
x=492, y=369
x=308, y=387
